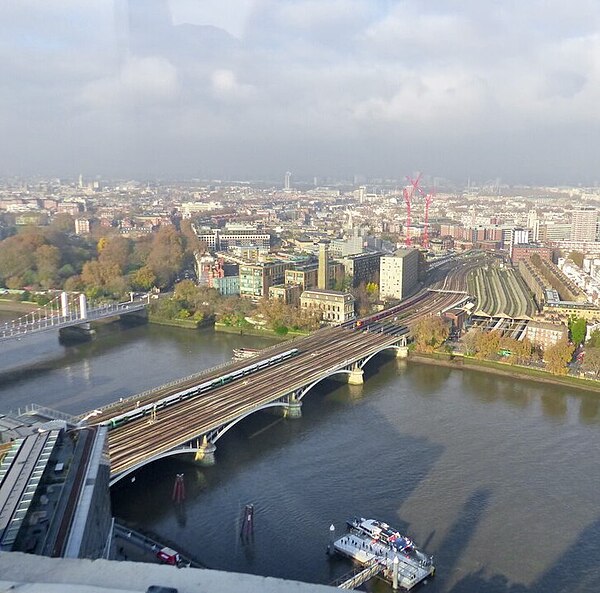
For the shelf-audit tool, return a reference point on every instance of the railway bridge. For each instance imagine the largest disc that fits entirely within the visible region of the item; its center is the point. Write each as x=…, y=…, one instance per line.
x=191, y=416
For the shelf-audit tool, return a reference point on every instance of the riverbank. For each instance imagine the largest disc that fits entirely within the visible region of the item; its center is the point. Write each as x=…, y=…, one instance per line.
x=11, y=306
x=252, y=331
x=505, y=369
x=182, y=323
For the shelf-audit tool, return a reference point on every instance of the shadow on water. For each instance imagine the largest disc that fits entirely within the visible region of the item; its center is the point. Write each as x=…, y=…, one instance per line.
x=427, y=383
x=576, y=571
x=301, y=479
x=589, y=410
x=554, y=405
x=460, y=533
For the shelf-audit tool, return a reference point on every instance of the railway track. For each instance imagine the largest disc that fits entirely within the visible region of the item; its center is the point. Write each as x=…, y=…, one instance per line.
x=318, y=356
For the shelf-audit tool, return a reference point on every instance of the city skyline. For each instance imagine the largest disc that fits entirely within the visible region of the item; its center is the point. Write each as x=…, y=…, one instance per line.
x=252, y=89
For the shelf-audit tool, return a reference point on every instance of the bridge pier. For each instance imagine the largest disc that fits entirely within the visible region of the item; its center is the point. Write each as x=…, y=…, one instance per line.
x=402, y=352
x=205, y=454
x=293, y=409
x=356, y=376
x=82, y=332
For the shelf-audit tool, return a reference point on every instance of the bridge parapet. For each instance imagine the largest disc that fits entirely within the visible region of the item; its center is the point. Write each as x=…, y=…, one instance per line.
x=65, y=310
x=200, y=424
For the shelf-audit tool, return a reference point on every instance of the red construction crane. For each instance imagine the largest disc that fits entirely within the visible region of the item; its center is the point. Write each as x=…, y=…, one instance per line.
x=408, y=193
x=428, y=200
x=407, y=198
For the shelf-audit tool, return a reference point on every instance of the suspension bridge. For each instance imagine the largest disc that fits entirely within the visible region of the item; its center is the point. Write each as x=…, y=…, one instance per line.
x=68, y=310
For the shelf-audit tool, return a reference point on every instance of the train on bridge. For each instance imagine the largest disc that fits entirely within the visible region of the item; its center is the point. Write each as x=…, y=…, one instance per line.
x=152, y=408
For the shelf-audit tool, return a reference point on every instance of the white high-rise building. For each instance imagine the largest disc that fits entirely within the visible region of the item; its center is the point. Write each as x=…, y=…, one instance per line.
x=398, y=274
x=584, y=223
x=287, y=180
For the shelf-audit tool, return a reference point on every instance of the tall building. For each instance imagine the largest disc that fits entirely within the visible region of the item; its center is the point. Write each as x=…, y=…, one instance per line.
x=363, y=267
x=399, y=274
x=533, y=224
x=287, y=181
x=583, y=224
x=323, y=275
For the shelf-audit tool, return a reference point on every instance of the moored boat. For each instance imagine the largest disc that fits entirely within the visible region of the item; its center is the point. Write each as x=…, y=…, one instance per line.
x=369, y=542
x=241, y=353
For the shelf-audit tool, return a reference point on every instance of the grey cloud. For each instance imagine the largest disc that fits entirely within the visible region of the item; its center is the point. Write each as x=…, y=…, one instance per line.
x=318, y=87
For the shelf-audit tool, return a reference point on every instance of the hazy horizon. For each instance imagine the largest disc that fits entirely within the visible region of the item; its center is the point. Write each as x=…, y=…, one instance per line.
x=248, y=89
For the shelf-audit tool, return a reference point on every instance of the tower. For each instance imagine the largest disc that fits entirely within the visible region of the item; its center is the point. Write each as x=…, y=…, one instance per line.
x=323, y=273
x=286, y=180
x=583, y=224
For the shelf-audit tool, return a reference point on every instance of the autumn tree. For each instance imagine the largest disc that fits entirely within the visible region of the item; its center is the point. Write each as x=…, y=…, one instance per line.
x=523, y=350
x=594, y=339
x=115, y=252
x=166, y=256
x=143, y=279
x=591, y=361
x=469, y=341
x=47, y=262
x=487, y=343
x=430, y=333
x=558, y=356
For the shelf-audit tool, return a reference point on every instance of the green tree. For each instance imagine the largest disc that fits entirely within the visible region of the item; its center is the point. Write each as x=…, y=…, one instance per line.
x=577, y=327
x=187, y=293
x=63, y=223
x=47, y=261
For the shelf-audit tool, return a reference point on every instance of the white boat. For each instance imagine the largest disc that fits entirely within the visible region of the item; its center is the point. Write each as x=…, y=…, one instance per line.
x=369, y=542
x=241, y=353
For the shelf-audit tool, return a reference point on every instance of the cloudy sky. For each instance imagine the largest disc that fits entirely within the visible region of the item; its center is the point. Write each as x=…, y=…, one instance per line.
x=252, y=88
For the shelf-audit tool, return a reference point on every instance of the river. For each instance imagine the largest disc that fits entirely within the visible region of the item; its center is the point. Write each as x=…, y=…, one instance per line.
x=497, y=478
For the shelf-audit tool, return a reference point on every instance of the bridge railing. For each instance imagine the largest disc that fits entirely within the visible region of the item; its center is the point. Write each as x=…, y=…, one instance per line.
x=13, y=329
x=182, y=380
x=148, y=392
x=36, y=409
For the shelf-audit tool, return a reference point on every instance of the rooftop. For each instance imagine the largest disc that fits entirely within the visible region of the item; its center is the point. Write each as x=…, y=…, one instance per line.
x=39, y=574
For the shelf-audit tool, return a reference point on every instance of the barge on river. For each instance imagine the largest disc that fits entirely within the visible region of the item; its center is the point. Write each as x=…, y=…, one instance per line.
x=369, y=542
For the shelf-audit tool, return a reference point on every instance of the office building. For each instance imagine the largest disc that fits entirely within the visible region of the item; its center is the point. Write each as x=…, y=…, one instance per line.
x=398, y=274
x=54, y=491
x=362, y=268
x=584, y=222
x=257, y=278
x=335, y=306
x=286, y=293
